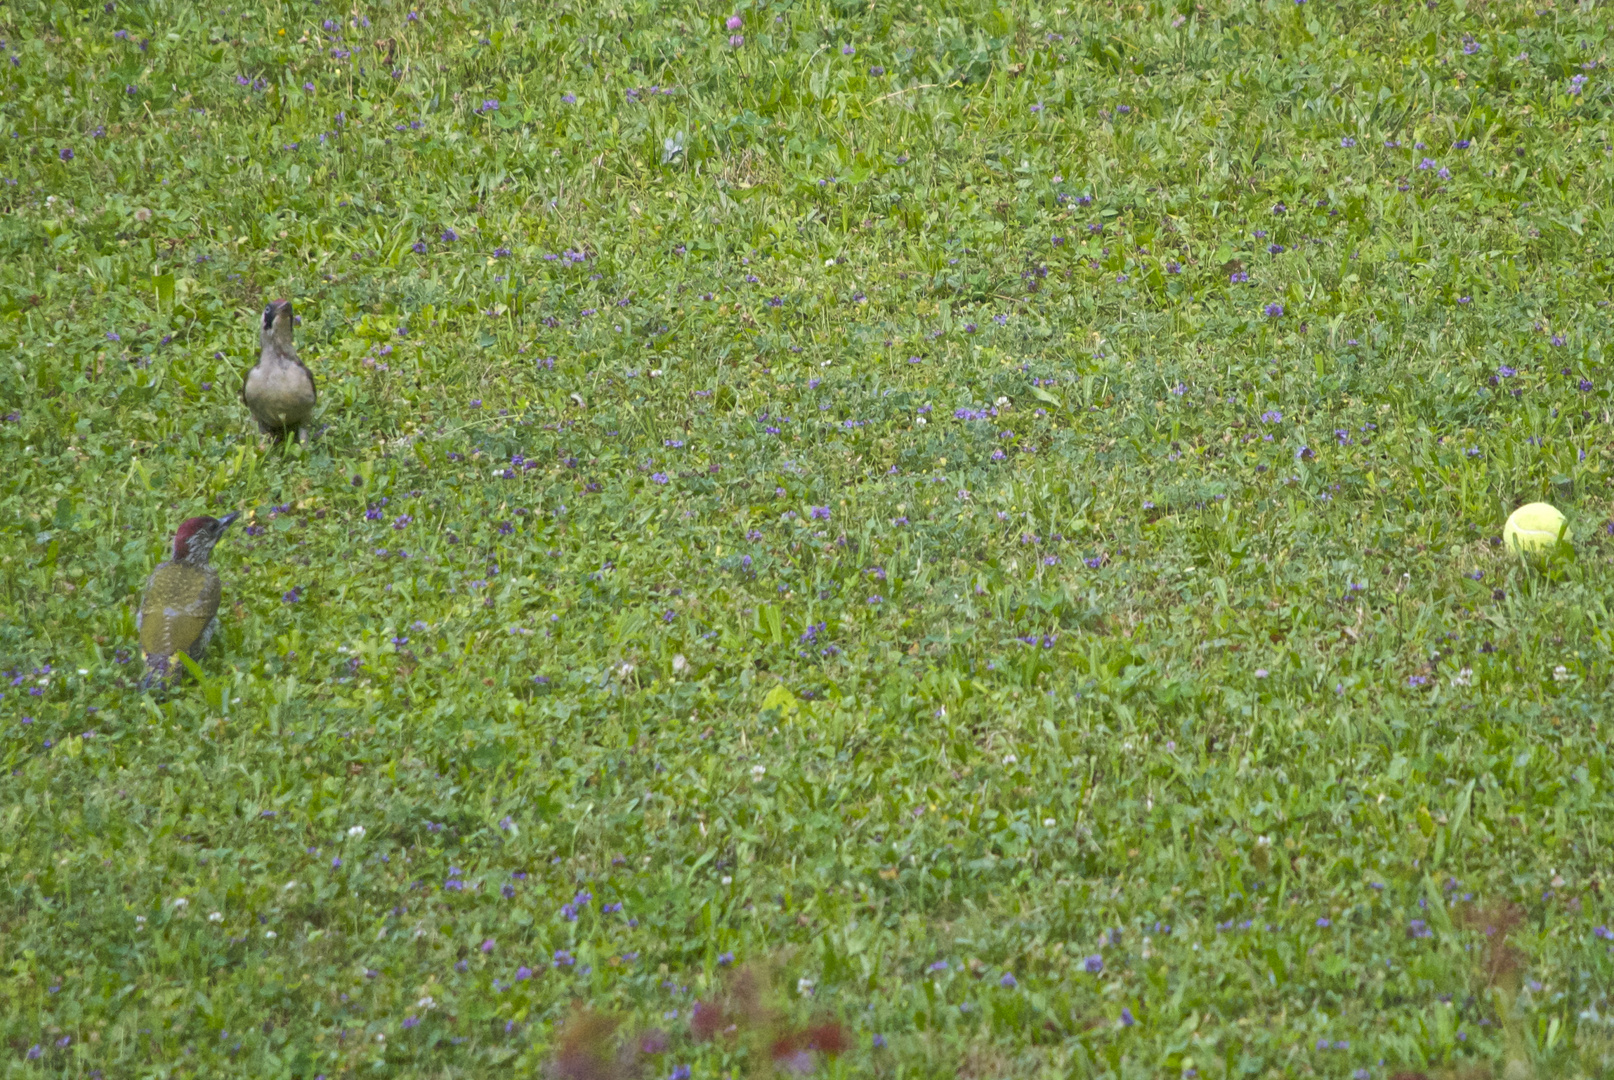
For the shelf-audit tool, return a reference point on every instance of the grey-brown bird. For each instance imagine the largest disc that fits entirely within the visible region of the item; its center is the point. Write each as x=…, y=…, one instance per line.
x=279, y=389
x=180, y=611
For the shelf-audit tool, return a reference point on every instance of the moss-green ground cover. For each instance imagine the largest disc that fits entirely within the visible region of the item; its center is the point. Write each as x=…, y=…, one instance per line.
x=991, y=512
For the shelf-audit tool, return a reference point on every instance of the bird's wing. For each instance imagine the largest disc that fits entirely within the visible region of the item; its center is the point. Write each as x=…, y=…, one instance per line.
x=180, y=604
x=145, y=599
x=313, y=388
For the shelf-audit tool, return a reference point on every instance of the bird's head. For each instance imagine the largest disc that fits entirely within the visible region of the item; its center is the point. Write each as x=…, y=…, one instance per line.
x=194, y=541
x=277, y=320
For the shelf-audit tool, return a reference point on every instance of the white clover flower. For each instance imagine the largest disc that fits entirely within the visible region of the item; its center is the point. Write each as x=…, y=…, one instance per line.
x=357, y=832
x=1010, y=759
x=757, y=771
x=180, y=903
x=270, y=934
x=1049, y=823
x=217, y=916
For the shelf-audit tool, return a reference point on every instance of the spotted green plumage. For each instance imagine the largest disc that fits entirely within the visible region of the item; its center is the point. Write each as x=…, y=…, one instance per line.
x=180, y=610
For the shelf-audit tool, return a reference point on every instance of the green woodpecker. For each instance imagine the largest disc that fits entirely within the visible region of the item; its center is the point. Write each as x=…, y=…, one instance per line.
x=180, y=610
x=279, y=389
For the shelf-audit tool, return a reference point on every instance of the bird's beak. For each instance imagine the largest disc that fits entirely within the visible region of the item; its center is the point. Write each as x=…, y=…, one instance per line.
x=228, y=519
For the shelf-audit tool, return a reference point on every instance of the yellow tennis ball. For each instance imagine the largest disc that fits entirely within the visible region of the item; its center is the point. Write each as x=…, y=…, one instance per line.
x=1533, y=529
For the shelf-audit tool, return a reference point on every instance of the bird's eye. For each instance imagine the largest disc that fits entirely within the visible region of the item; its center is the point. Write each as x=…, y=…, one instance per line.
x=269, y=317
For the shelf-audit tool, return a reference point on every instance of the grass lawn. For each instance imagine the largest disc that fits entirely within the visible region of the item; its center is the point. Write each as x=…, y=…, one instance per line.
x=953, y=540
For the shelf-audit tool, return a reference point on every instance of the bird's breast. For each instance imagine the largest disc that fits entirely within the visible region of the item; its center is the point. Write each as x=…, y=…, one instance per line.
x=280, y=389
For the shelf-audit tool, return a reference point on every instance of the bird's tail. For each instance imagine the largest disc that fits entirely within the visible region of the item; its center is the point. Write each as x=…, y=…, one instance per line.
x=157, y=672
